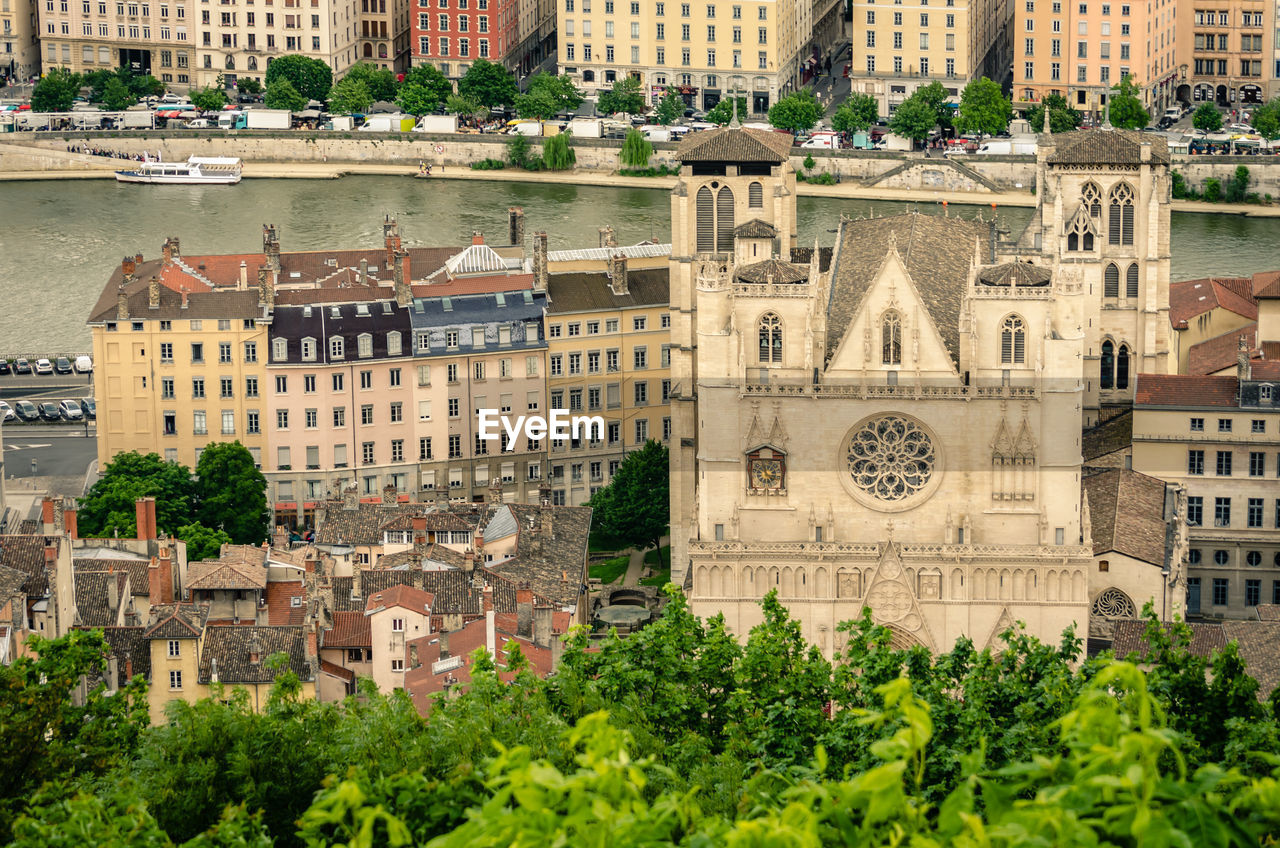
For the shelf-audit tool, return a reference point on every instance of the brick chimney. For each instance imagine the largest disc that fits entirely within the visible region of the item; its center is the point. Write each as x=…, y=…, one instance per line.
x=113, y=592
x=544, y=494
x=495, y=489
x=389, y=496
x=540, y=261
x=171, y=250
x=69, y=522
x=477, y=237
x=469, y=562
x=400, y=274
x=128, y=266
x=145, y=513
x=486, y=596
x=271, y=246
x=46, y=516
x=607, y=237
x=515, y=225
x=243, y=283
x=266, y=288
x=524, y=611
x=419, y=533
x=542, y=626
x=618, y=274
x=478, y=543
x=313, y=653
x=350, y=498
x=160, y=579
x=255, y=650
x=444, y=645
x=1244, y=370
x=390, y=237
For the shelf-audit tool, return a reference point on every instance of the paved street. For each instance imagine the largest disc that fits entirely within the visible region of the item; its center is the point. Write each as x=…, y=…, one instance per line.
x=58, y=452
x=34, y=387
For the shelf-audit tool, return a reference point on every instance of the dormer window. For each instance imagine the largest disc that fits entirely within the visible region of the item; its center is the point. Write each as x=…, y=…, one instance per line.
x=308, y=350
x=337, y=347
x=364, y=345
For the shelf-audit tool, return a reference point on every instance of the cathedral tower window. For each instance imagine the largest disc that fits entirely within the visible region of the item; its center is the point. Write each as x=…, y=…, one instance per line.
x=1013, y=341
x=1107, y=365
x=724, y=220
x=1111, y=281
x=1120, y=215
x=1091, y=196
x=755, y=195
x=891, y=338
x=1131, y=281
x=1122, y=367
x=706, y=220
x=770, y=338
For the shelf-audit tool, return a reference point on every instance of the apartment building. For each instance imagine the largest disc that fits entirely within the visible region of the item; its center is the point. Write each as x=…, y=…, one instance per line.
x=607, y=354
x=385, y=34
x=238, y=38
x=1079, y=49
x=705, y=50
x=452, y=34
x=900, y=47
x=1218, y=437
x=157, y=37
x=19, y=42
x=1224, y=51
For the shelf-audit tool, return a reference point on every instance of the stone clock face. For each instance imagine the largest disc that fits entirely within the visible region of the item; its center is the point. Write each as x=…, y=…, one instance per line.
x=766, y=473
x=891, y=462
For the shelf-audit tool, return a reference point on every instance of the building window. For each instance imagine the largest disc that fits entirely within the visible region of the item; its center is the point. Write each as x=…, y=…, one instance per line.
x=1222, y=512
x=1120, y=215
x=1224, y=425
x=1254, y=512
x=175, y=680
x=1197, y=425
x=770, y=339
x=1220, y=587
x=1013, y=345
x=1224, y=463
x=175, y=648
x=1252, y=592
x=1195, y=511
x=891, y=338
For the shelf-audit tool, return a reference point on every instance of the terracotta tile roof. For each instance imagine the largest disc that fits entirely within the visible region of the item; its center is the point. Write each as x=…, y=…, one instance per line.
x=1264, y=369
x=937, y=252
x=1129, y=637
x=1015, y=274
x=337, y=671
x=454, y=591
x=129, y=645
x=221, y=574
x=25, y=553
x=1190, y=298
x=359, y=526
x=408, y=597
x=414, y=557
x=1268, y=612
x=350, y=630
x=435, y=519
x=756, y=229
x=280, y=607
x=1106, y=147
x=1127, y=511
x=1266, y=284
x=1221, y=352
x=139, y=582
x=771, y=271
x=1184, y=391
x=230, y=647
x=1108, y=437
x=581, y=291
x=550, y=557
x=1258, y=641
x=177, y=621
x=423, y=683
x=92, y=596
x=11, y=582
x=731, y=144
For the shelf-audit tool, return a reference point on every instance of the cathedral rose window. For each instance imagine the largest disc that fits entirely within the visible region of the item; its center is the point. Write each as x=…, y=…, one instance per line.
x=890, y=458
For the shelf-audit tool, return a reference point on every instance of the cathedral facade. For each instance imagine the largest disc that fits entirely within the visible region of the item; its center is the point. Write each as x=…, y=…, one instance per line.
x=894, y=424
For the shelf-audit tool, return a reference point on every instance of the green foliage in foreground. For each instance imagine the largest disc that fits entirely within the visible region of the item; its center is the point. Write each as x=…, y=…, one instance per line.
x=681, y=735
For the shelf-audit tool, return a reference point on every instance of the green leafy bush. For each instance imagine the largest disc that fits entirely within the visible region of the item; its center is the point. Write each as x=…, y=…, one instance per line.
x=488, y=165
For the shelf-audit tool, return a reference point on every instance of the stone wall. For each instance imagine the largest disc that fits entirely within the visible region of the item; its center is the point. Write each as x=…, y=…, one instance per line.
x=1264, y=171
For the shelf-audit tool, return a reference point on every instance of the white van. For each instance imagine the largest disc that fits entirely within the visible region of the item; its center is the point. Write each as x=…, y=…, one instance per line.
x=84, y=365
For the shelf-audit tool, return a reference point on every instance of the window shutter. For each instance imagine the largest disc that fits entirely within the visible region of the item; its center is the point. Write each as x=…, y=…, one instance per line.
x=1127, y=211
x=1131, y=281
x=724, y=220
x=705, y=221
x=1113, y=235
x=1111, y=282
x=1006, y=347
x=1019, y=346
x=755, y=196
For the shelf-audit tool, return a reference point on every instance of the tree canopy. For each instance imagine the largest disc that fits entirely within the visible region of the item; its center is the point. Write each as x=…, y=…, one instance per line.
x=248, y=85
x=209, y=99
x=116, y=96
x=109, y=507
x=634, y=508
x=670, y=108
x=232, y=493
x=722, y=112
x=351, y=94
x=464, y=106
x=55, y=91
x=1062, y=118
x=310, y=78
x=547, y=96
x=488, y=83
x=1266, y=120
x=624, y=96
x=282, y=94
x=202, y=542
x=914, y=119
x=380, y=82
x=797, y=112
x=856, y=114
x=937, y=96
x=431, y=87
x=1126, y=110
x=1207, y=118
x=983, y=108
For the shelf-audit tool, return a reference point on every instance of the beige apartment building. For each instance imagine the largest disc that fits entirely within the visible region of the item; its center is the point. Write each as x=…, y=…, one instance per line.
x=237, y=38
x=19, y=45
x=900, y=47
x=608, y=329
x=706, y=50
x=384, y=34
x=1079, y=49
x=155, y=37
x=1224, y=51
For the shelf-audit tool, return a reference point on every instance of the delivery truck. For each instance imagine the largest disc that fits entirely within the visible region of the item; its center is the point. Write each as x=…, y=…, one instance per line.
x=387, y=123
x=1008, y=146
x=586, y=128
x=437, y=124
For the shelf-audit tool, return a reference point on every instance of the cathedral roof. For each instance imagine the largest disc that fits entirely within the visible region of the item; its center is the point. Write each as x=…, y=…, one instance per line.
x=755, y=228
x=937, y=252
x=1107, y=147
x=772, y=271
x=730, y=144
x=1127, y=513
x=1015, y=274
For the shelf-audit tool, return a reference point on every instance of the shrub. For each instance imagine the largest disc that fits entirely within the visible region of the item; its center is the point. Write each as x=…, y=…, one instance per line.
x=824, y=179
x=1238, y=185
x=518, y=151
x=809, y=163
x=656, y=171
x=1213, y=190
x=488, y=165
x=557, y=154
x=1179, y=185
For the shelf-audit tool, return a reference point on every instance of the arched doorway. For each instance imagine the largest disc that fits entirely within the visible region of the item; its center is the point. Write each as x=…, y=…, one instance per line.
x=1221, y=95
x=1183, y=94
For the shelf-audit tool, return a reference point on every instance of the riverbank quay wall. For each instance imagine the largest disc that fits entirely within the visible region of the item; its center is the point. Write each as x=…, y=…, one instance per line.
x=28, y=152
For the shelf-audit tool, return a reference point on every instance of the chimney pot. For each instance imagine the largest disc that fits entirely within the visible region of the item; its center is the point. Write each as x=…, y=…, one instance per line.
x=477, y=237
x=515, y=225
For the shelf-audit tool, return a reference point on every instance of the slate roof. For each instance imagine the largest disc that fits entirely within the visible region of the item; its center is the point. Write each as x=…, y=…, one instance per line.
x=771, y=271
x=230, y=645
x=221, y=574
x=1190, y=298
x=359, y=526
x=1184, y=391
x=732, y=144
x=1258, y=641
x=1108, y=437
x=551, y=558
x=582, y=291
x=92, y=596
x=125, y=644
x=374, y=316
x=1106, y=147
x=755, y=228
x=176, y=621
x=25, y=553
x=804, y=256
x=937, y=252
x=1215, y=354
x=1015, y=274
x=1127, y=511
x=350, y=630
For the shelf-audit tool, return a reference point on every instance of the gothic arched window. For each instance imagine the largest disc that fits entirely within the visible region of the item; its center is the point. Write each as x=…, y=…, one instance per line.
x=1091, y=196
x=1120, y=215
x=1122, y=367
x=770, y=338
x=1107, y=365
x=724, y=220
x=1131, y=281
x=1013, y=341
x=1073, y=241
x=705, y=217
x=891, y=338
x=755, y=195
x=1111, y=281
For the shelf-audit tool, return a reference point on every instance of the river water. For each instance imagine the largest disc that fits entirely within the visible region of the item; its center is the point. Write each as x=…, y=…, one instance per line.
x=59, y=240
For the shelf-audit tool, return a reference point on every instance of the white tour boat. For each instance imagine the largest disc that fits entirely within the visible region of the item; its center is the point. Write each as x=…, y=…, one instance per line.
x=214, y=170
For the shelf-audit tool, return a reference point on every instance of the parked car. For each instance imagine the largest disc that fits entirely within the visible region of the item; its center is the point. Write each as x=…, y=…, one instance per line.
x=5, y=367
x=84, y=365
x=49, y=411
x=90, y=407
x=44, y=366
x=62, y=365
x=21, y=366
x=26, y=410
x=7, y=412
x=71, y=411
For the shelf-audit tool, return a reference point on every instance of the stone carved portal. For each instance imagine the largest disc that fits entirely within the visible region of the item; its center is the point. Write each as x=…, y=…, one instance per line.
x=892, y=601
x=1110, y=605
